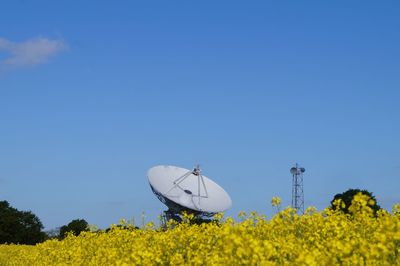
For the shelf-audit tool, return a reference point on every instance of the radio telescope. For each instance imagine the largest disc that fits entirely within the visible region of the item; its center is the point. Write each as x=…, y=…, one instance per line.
x=183, y=190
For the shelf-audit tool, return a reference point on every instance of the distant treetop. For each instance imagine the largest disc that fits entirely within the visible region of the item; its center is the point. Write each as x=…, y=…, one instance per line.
x=347, y=197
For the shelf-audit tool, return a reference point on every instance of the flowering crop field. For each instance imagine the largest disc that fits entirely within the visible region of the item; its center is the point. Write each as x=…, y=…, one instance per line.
x=314, y=238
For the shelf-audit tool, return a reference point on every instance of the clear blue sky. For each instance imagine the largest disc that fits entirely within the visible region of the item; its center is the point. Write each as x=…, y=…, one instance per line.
x=94, y=93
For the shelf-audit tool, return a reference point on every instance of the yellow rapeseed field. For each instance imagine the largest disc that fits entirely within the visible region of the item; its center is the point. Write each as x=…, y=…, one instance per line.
x=315, y=238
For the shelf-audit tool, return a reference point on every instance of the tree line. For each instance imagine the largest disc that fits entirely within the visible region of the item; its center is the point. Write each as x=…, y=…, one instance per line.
x=24, y=227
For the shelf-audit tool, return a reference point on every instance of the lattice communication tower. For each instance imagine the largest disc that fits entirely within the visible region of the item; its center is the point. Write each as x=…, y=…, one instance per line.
x=297, y=188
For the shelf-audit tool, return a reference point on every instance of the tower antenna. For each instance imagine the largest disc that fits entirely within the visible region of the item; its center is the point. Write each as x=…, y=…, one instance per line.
x=297, y=188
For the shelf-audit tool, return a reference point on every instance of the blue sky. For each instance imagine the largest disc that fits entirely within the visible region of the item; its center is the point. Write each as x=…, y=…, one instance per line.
x=94, y=93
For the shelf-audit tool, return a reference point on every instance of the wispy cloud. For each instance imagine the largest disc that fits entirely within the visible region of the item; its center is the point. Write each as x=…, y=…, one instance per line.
x=32, y=52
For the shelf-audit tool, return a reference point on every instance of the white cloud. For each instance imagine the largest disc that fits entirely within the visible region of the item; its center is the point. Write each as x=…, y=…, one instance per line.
x=29, y=53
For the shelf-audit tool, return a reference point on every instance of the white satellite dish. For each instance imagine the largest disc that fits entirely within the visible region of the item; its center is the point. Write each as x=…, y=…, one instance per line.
x=187, y=190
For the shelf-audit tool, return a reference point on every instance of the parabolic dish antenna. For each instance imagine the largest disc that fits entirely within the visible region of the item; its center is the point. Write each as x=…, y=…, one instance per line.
x=187, y=190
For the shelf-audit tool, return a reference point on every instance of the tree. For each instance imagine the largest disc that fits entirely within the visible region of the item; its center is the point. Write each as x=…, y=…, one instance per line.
x=347, y=197
x=19, y=227
x=75, y=227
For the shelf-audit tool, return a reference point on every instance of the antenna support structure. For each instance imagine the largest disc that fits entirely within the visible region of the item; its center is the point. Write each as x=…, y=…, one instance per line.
x=297, y=188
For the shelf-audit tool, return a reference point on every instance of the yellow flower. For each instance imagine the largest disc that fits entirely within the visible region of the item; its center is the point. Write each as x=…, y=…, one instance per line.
x=276, y=201
x=315, y=238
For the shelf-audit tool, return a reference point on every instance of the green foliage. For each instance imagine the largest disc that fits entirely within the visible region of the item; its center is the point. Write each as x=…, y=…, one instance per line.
x=347, y=197
x=75, y=227
x=21, y=227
